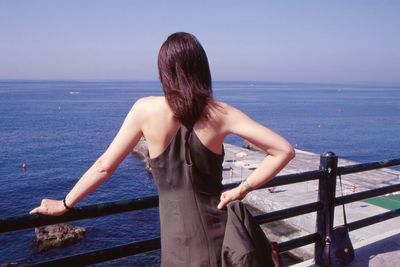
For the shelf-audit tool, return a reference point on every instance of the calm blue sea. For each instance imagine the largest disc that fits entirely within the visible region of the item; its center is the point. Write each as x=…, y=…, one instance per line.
x=59, y=128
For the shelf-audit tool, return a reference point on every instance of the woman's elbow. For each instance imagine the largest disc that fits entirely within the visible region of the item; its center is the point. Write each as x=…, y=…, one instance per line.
x=103, y=168
x=289, y=153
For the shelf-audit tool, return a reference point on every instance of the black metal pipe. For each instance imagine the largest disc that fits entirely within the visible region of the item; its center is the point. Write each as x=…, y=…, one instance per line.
x=102, y=255
x=34, y=220
x=368, y=166
x=287, y=179
x=366, y=194
x=373, y=219
x=326, y=194
x=295, y=178
x=299, y=242
x=91, y=211
x=288, y=213
x=153, y=244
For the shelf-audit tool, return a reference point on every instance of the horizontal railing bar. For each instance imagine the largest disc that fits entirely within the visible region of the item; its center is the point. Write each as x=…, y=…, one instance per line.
x=366, y=194
x=153, y=244
x=298, y=242
x=288, y=213
x=367, y=166
x=102, y=255
x=149, y=245
x=373, y=219
x=78, y=213
x=288, y=179
x=295, y=178
x=85, y=212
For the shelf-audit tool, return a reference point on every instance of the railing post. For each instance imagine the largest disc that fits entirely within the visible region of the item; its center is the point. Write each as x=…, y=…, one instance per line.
x=326, y=191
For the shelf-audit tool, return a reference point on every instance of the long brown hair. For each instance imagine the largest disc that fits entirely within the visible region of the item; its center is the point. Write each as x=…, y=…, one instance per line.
x=185, y=77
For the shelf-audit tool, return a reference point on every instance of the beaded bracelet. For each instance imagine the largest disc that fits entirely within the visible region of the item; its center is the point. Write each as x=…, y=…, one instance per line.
x=65, y=204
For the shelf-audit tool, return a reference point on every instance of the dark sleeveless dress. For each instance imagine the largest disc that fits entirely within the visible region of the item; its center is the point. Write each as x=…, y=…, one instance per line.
x=194, y=232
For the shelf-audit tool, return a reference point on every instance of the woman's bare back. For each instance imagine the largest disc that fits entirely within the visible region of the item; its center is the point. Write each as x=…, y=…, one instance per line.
x=160, y=126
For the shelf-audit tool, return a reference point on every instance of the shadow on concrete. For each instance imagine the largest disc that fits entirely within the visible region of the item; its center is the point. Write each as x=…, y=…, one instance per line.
x=378, y=253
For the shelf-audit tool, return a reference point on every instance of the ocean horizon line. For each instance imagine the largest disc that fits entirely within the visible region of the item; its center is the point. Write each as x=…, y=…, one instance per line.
x=349, y=83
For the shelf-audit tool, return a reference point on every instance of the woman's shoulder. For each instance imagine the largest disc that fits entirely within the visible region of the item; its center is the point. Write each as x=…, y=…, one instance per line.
x=224, y=109
x=150, y=106
x=147, y=100
x=150, y=103
x=222, y=115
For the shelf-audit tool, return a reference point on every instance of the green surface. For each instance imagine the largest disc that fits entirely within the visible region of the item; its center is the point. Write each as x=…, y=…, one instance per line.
x=387, y=202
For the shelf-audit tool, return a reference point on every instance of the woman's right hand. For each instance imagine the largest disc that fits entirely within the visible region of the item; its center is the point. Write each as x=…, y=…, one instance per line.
x=50, y=207
x=229, y=196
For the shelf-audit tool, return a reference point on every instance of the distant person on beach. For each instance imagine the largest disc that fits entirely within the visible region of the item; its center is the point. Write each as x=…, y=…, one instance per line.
x=201, y=225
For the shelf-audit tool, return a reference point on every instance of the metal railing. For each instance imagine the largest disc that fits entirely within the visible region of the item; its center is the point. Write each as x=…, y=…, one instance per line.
x=326, y=175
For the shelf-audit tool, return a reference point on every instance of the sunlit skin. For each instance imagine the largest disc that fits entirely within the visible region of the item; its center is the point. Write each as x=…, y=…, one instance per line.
x=152, y=118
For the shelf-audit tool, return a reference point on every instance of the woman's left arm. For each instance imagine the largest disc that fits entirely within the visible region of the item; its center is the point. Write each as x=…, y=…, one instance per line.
x=103, y=168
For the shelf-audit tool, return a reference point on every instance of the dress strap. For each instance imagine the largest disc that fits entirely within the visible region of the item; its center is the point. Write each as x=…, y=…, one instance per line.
x=187, y=132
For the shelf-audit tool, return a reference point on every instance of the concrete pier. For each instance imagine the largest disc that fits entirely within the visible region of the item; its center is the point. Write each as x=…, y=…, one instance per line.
x=239, y=162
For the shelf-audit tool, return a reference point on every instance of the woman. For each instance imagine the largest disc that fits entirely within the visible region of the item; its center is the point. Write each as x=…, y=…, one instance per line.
x=185, y=131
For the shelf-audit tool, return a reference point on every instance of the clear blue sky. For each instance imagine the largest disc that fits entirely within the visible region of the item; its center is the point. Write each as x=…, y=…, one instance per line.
x=306, y=41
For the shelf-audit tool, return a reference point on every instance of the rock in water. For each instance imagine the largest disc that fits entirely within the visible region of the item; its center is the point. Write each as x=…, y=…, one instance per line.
x=57, y=235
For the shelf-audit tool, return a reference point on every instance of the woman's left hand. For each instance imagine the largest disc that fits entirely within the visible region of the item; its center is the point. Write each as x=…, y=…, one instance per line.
x=229, y=196
x=50, y=207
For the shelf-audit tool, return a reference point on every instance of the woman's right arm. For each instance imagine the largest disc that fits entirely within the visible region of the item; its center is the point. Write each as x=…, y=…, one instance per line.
x=279, y=151
x=125, y=140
